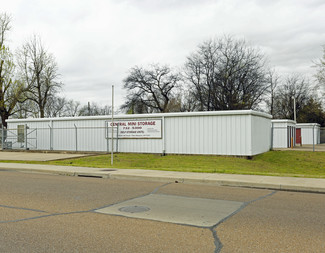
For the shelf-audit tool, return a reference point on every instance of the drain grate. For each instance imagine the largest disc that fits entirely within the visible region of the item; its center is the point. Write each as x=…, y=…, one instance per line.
x=134, y=209
x=108, y=170
x=86, y=175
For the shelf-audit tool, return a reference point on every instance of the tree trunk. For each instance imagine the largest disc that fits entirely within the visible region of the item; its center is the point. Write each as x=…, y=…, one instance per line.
x=4, y=117
x=41, y=112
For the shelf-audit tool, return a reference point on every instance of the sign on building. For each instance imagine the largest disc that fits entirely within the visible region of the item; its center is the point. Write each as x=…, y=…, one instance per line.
x=136, y=129
x=21, y=133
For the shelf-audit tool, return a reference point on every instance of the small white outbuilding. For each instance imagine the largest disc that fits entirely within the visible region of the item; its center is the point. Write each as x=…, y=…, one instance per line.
x=283, y=133
x=308, y=133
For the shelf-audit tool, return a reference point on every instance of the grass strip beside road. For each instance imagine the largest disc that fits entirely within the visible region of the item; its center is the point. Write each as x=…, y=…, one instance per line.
x=273, y=163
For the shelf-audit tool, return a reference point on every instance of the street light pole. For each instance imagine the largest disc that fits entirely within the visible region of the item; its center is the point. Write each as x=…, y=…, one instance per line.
x=112, y=149
x=294, y=105
x=2, y=60
x=294, y=109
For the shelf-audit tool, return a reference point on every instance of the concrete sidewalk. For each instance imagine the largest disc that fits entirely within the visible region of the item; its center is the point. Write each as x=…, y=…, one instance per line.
x=305, y=147
x=37, y=156
x=277, y=183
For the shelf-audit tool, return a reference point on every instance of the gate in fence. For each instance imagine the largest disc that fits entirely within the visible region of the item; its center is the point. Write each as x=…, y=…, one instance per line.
x=69, y=138
x=22, y=137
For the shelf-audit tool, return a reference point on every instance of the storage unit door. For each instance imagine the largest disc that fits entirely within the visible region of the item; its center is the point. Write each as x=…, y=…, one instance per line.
x=298, y=135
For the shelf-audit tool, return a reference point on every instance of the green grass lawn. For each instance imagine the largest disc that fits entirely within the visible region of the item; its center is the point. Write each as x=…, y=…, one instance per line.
x=274, y=163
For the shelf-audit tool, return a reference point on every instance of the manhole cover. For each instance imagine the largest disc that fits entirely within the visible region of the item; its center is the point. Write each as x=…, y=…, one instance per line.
x=134, y=209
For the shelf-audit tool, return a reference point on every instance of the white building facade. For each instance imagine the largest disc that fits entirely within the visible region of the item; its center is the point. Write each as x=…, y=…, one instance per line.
x=238, y=133
x=283, y=133
x=309, y=133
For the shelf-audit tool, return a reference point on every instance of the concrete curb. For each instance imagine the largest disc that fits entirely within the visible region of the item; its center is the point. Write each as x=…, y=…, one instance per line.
x=231, y=183
x=251, y=181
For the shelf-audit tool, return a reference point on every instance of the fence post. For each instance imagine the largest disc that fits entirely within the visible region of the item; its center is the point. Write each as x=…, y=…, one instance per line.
x=117, y=138
x=76, y=132
x=163, y=136
x=272, y=134
x=313, y=139
x=25, y=130
x=106, y=135
x=2, y=138
x=36, y=139
x=51, y=148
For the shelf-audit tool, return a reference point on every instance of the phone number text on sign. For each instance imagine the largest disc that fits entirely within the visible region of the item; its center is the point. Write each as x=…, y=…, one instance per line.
x=138, y=128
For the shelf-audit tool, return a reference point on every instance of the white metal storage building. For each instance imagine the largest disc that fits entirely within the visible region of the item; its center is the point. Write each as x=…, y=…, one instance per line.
x=283, y=130
x=239, y=133
x=309, y=131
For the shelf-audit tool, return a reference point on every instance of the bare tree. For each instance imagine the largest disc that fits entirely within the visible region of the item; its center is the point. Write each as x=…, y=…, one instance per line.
x=320, y=65
x=200, y=71
x=27, y=109
x=152, y=88
x=226, y=74
x=39, y=71
x=188, y=102
x=56, y=107
x=93, y=109
x=273, y=79
x=133, y=105
x=72, y=108
x=5, y=27
x=294, y=86
x=11, y=90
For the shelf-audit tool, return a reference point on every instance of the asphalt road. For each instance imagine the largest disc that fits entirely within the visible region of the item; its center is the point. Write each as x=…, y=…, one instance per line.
x=48, y=213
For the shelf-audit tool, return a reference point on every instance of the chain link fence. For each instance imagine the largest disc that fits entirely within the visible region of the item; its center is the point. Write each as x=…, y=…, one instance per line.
x=100, y=138
x=289, y=136
x=69, y=139
x=322, y=135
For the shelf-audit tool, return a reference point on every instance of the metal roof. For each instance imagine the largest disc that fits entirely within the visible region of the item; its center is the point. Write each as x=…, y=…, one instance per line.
x=151, y=115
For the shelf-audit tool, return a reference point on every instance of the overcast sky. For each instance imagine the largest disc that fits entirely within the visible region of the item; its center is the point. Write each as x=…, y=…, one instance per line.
x=96, y=42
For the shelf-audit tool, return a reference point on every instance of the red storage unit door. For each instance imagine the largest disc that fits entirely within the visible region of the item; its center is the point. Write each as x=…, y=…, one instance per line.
x=298, y=135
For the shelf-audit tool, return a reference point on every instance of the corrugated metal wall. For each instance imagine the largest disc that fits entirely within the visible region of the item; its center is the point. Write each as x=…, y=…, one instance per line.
x=242, y=133
x=222, y=135
x=282, y=132
x=261, y=134
x=307, y=133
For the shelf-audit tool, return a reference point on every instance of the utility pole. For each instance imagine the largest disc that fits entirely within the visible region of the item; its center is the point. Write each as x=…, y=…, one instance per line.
x=112, y=149
x=294, y=104
x=294, y=109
